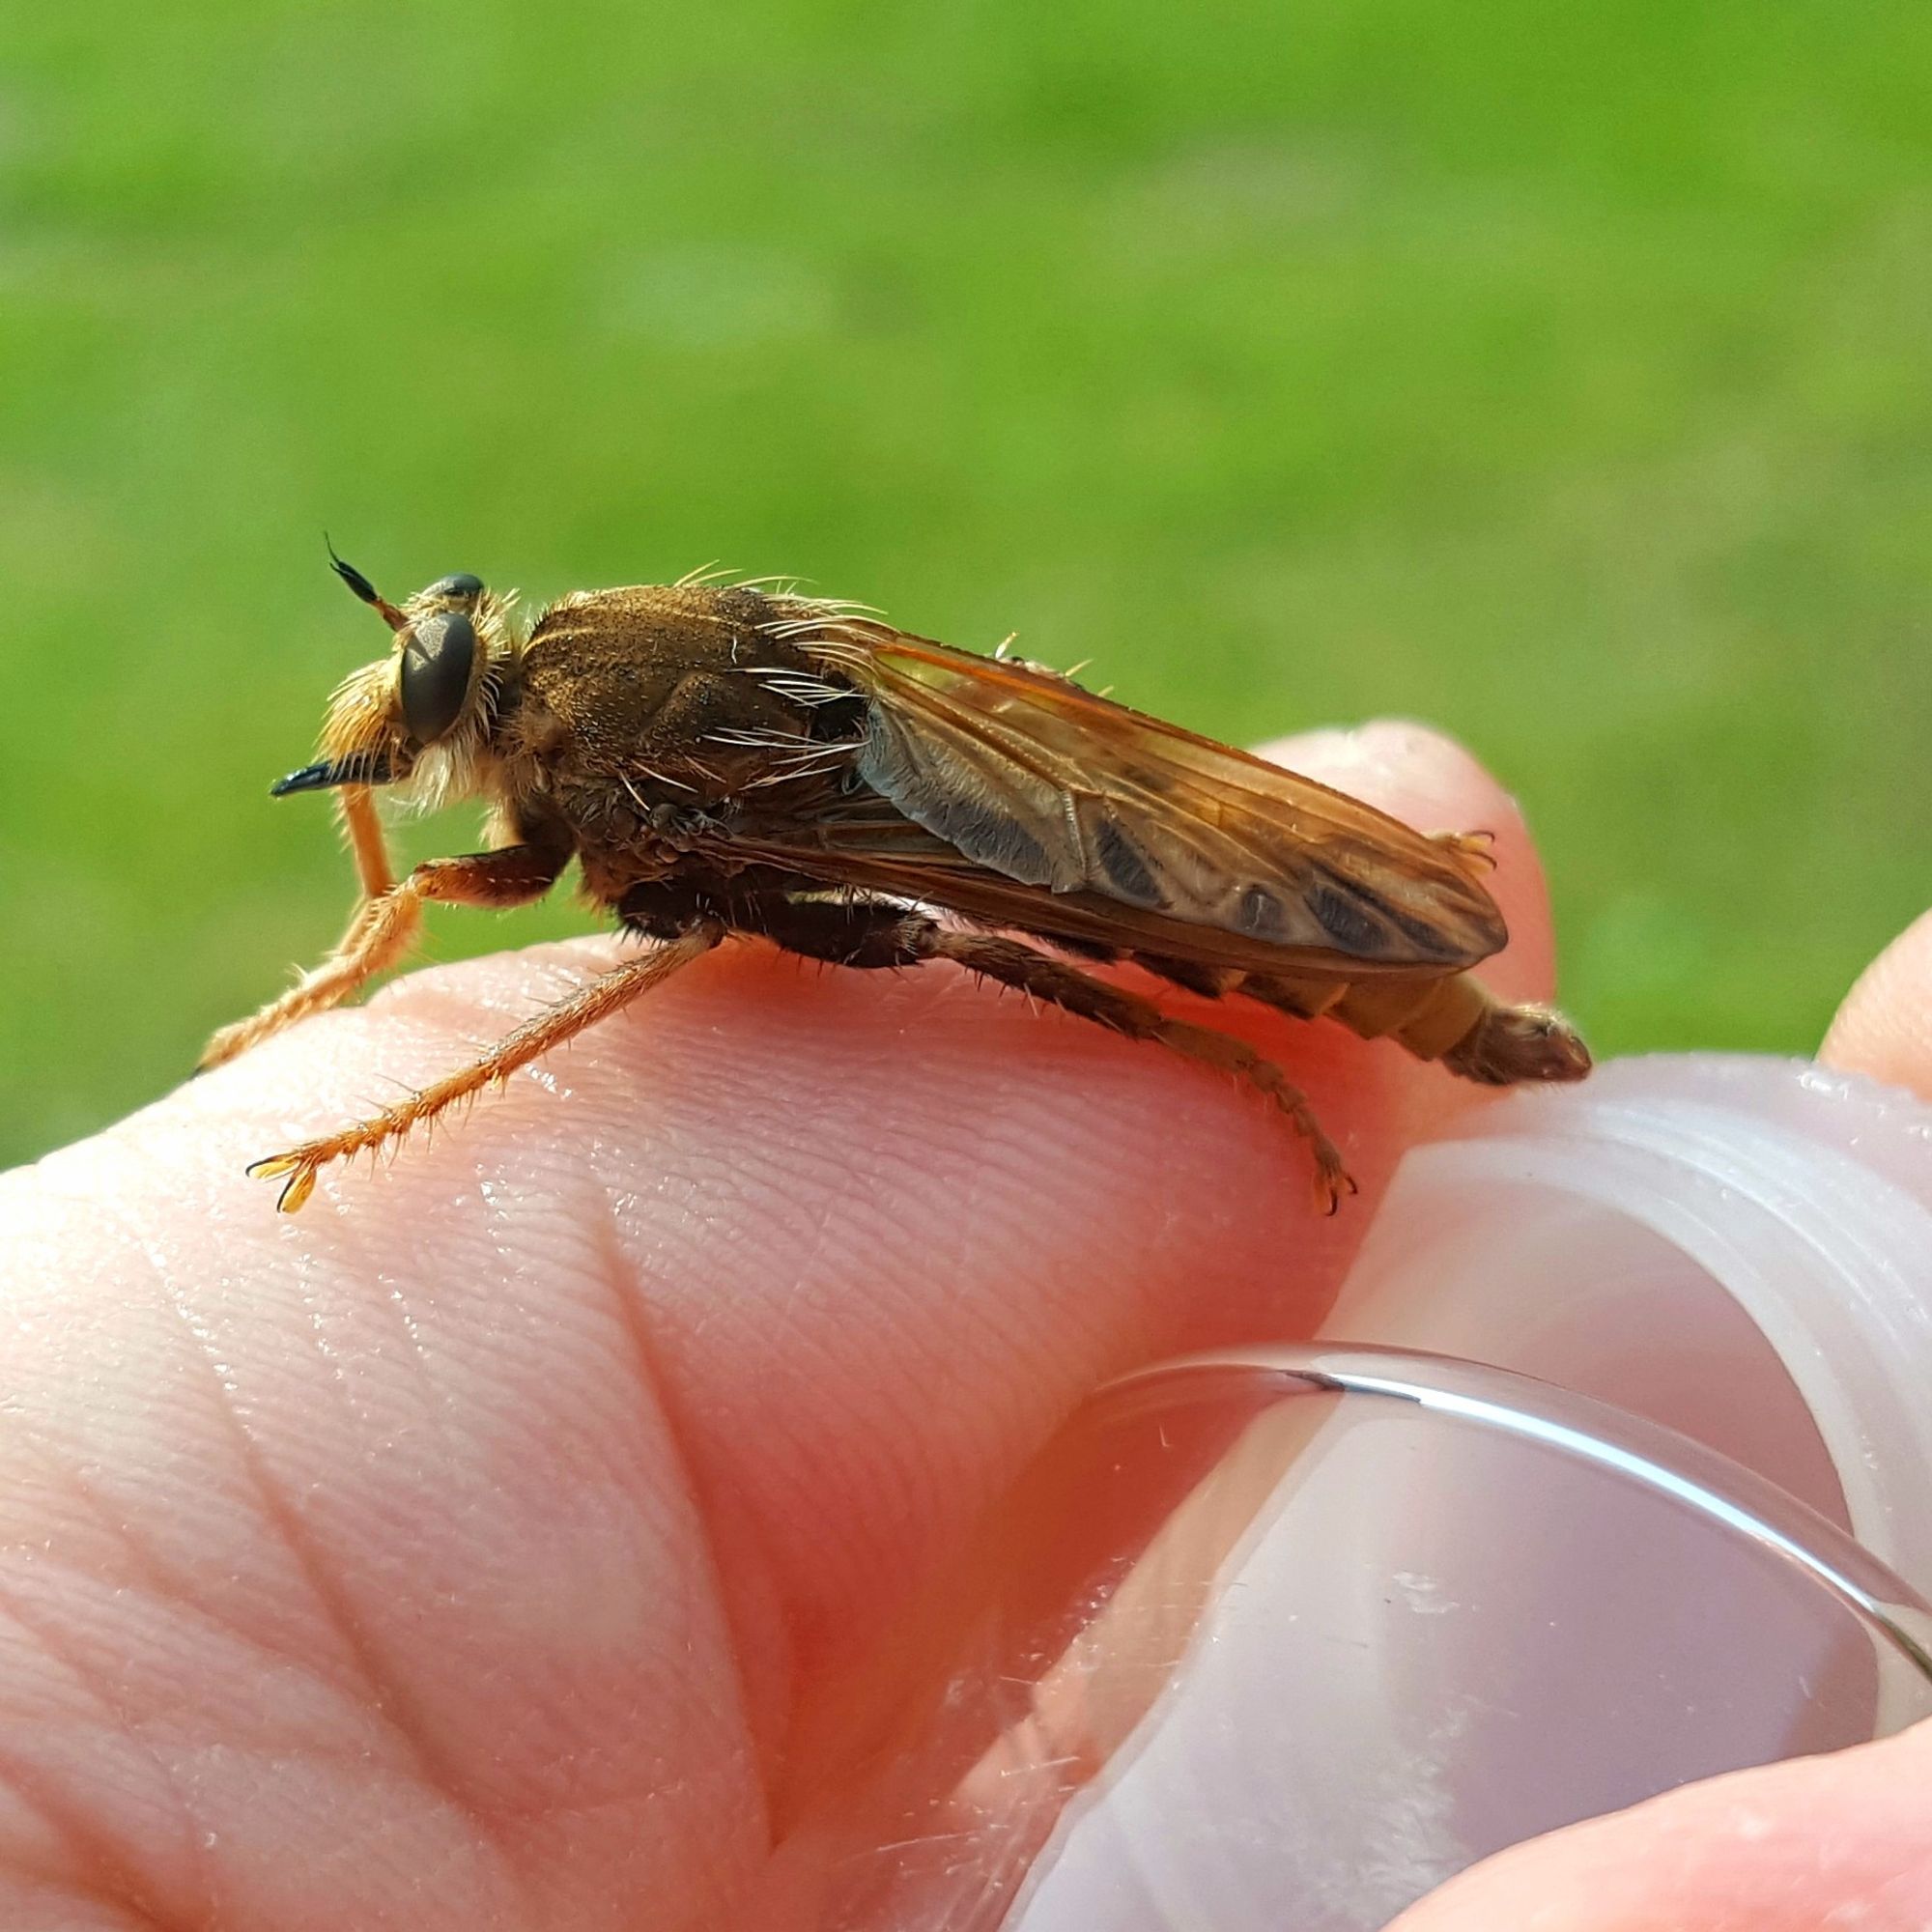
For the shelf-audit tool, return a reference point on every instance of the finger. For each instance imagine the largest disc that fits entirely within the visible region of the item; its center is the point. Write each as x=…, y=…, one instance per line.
x=641, y=1397
x=911, y=1222
x=1884, y=1028
x=1823, y=1841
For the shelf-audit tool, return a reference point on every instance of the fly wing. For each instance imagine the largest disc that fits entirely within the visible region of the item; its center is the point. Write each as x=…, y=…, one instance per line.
x=1094, y=805
x=868, y=844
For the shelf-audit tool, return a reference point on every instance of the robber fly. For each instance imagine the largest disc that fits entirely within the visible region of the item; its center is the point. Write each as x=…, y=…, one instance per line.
x=726, y=761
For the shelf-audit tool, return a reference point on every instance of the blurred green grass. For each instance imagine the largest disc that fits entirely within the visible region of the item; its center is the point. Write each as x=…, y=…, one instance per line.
x=1557, y=375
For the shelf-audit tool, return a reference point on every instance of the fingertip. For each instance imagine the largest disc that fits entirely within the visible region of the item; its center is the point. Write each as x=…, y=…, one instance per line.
x=1435, y=785
x=1884, y=1029
x=1843, y=1839
x=1388, y=760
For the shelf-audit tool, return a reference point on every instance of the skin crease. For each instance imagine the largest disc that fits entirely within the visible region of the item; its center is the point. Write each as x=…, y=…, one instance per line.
x=452, y=1554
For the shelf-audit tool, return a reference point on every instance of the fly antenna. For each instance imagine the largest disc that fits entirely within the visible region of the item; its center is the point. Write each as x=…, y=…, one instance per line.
x=364, y=589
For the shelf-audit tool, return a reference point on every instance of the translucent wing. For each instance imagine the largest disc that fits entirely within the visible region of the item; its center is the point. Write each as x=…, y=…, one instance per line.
x=1096, y=805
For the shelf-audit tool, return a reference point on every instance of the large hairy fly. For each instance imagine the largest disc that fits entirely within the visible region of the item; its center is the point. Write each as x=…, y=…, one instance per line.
x=726, y=761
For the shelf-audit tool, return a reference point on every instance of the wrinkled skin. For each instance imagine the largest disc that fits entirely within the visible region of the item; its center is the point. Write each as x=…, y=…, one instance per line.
x=453, y=1556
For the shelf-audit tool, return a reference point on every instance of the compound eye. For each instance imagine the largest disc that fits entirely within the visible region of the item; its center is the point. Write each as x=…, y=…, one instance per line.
x=462, y=584
x=438, y=657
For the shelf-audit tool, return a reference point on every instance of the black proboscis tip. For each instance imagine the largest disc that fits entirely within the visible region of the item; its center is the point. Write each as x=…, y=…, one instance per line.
x=327, y=773
x=311, y=778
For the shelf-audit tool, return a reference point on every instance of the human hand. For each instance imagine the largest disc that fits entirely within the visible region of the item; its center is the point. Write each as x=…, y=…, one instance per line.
x=456, y=1554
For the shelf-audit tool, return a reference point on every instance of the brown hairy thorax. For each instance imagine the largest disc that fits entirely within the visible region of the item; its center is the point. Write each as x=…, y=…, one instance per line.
x=727, y=760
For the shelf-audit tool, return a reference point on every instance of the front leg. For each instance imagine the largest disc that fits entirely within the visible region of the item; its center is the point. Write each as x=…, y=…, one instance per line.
x=384, y=929
x=362, y=828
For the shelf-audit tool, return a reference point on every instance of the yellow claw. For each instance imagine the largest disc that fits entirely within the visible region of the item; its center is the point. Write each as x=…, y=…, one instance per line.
x=301, y=1184
x=301, y=1173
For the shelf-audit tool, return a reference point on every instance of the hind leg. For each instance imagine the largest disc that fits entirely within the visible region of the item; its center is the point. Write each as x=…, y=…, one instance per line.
x=871, y=935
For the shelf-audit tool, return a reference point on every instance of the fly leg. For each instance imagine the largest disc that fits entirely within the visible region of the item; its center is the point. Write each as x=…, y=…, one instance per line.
x=362, y=830
x=356, y=808
x=597, y=1000
x=385, y=930
x=859, y=934
x=1014, y=964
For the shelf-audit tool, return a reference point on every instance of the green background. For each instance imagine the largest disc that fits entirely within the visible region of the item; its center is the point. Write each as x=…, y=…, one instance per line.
x=1558, y=374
